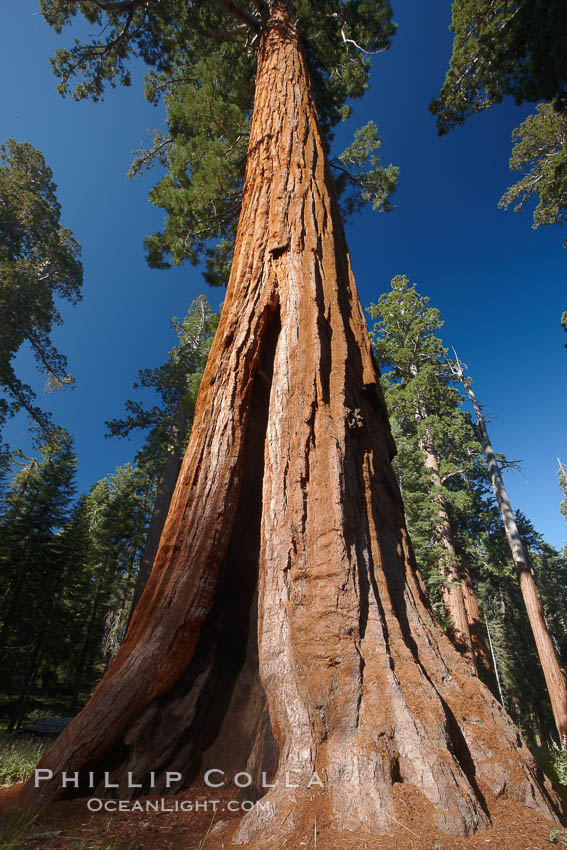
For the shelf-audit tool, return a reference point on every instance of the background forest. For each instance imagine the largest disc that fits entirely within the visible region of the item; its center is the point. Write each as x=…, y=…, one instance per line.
x=75, y=555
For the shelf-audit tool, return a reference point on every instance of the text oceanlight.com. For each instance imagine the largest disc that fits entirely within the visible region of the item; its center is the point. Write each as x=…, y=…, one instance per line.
x=95, y=804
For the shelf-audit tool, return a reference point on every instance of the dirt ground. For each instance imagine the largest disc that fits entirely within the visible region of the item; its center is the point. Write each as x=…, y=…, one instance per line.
x=210, y=825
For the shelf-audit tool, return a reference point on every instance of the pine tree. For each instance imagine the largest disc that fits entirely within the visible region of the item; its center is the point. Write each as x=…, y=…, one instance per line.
x=554, y=676
x=112, y=520
x=521, y=683
x=520, y=49
x=284, y=581
x=503, y=48
x=540, y=151
x=39, y=262
x=438, y=453
x=33, y=565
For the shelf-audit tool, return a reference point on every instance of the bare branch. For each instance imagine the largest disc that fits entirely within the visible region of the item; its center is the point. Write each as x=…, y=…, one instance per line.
x=241, y=13
x=452, y=475
x=358, y=47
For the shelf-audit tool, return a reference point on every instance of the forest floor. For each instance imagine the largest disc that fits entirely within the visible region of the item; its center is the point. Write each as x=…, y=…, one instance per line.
x=70, y=825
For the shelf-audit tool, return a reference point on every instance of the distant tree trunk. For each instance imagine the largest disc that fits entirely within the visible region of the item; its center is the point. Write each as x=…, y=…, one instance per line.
x=453, y=595
x=115, y=620
x=88, y=649
x=554, y=677
x=284, y=573
x=164, y=494
x=473, y=618
x=58, y=582
x=25, y=694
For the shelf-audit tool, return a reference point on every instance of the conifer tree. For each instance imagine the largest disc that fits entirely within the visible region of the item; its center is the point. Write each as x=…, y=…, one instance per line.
x=554, y=676
x=112, y=519
x=284, y=626
x=438, y=451
x=504, y=48
x=39, y=262
x=39, y=503
x=521, y=683
x=540, y=152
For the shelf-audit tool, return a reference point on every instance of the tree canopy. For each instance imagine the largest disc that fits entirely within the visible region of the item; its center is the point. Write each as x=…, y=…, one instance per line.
x=425, y=408
x=39, y=261
x=540, y=153
x=503, y=47
x=202, y=61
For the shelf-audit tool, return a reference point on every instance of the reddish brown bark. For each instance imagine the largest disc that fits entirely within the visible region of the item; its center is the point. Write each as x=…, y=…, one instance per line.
x=480, y=649
x=554, y=678
x=453, y=591
x=287, y=475
x=164, y=494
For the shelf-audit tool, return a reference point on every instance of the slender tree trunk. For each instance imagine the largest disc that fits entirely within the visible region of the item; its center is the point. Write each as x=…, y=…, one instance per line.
x=287, y=487
x=164, y=494
x=59, y=578
x=453, y=595
x=86, y=654
x=495, y=663
x=554, y=677
x=116, y=622
x=27, y=688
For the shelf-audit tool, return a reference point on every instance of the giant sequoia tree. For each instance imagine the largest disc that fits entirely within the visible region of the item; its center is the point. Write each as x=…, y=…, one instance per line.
x=168, y=424
x=284, y=626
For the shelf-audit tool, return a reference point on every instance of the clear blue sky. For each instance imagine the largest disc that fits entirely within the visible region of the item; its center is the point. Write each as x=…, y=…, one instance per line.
x=499, y=285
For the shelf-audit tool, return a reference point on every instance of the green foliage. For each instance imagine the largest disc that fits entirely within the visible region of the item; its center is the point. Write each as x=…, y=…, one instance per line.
x=13, y=828
x=540, y=152
x=425, y=410
x=559, y=836
x=177, y=383
x=34, y=562
x=205, y=153
x=363, y=175
x=560, y=762
x=504, y=47
x=19, y=754
x=108, y=532
x=67, y=576
x=68, y=569
x=39, y=261
x=202, y=60
x=426, y=416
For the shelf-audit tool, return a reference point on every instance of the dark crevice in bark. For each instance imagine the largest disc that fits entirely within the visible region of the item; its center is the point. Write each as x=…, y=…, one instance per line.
x=364, y=583
x=216, y=713
x=396, y=583
x=325, y=334
x=463, y=755
x=395, y=771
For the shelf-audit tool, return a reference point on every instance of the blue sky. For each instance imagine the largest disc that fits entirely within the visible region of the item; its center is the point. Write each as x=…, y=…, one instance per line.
x=499, y=285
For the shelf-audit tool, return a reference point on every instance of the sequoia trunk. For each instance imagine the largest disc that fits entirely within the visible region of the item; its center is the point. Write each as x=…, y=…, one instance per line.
x=164, y=494
x=285, y=574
